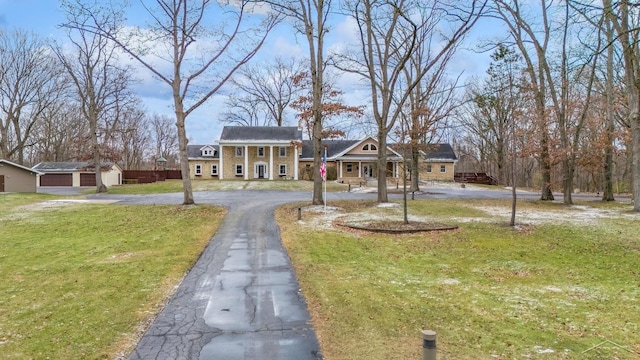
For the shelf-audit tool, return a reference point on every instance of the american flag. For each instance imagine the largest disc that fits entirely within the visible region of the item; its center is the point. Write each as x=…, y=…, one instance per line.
x=323, y=166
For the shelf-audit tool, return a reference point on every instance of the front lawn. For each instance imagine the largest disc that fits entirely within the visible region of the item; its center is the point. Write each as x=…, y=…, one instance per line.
x=220, y=185
x=82, y=280
x=563, y=282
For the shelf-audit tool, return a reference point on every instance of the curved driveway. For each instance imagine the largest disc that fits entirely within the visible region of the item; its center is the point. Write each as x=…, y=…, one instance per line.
x=241, y=300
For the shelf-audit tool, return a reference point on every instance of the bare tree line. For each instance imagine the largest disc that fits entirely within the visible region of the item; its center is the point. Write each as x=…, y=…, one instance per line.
x=557, y=109
x=42, y=117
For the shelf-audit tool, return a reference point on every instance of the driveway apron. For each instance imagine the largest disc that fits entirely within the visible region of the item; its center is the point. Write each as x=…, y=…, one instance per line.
x=241, y=300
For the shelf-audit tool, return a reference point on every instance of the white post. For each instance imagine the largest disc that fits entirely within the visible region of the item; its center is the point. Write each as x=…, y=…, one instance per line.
x=271, y=162
x=295, y=163
x=246, y=162
x=221, y=170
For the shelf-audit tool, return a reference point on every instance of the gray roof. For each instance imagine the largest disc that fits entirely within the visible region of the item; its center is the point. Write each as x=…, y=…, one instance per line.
x=440, y=152
x=334, y=147
x=256, y=133
x=195, y=151
x=67, y=166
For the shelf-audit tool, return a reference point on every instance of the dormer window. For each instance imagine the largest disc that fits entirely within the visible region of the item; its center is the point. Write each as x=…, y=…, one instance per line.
x=369, y=147
x=207, y=152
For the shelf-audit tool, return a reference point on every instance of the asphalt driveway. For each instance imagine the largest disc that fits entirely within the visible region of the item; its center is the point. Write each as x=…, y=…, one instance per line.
x=241, y=300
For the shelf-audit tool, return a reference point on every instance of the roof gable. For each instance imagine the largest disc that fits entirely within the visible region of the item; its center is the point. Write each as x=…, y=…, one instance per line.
x=435, y=152
x=196, y=151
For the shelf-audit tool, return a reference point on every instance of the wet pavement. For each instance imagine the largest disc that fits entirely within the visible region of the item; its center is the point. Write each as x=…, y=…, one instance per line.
x=241, y=300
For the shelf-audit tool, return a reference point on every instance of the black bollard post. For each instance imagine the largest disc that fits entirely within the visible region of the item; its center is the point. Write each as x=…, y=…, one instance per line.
x=299, y=214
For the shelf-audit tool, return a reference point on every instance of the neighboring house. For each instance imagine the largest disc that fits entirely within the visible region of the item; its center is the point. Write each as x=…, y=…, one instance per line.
x=264, y=152
x=77, y=174
x=17, y=178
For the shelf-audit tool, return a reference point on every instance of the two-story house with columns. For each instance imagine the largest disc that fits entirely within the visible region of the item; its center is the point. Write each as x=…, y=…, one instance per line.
x=279, y=153
x=247, y=153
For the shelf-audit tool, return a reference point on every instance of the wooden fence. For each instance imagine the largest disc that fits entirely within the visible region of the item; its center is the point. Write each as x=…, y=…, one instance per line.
x=475, y=178
x=149, y=176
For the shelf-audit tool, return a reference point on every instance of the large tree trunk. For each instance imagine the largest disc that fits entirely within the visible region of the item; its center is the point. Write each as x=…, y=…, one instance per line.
x=182, y=149
x=545, y=165
x=97, y=162
x=382, y=166
x=607, y=191
x=415, y=170
x=317, y=159
x=635, y=162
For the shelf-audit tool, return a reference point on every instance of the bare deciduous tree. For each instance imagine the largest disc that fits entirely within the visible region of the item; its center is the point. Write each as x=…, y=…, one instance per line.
x=100, y=85
x=389, y=33
x=311, y=20
x=267, y=90
x=30, y=83
x=227, y=38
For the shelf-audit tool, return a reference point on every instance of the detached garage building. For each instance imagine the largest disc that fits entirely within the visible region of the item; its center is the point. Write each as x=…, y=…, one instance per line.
x=77, y=174
x=17, y=178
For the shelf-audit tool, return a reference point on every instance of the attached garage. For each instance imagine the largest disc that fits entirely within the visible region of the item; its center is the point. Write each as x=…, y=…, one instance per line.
x=88, y=179
x=56, y=180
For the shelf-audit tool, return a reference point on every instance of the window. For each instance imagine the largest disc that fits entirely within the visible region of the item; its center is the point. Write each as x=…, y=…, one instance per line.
x=238, y=151
x=349, y=167
x=373, y=148
x=260, y=151
x=207, y=152
x=239, y=169
x=214, y=169
x=366, y=147
x=282, y=169
x=443, y=168
x=198, y=170
x=283, y=151
x=369, y=147
x=429, y=168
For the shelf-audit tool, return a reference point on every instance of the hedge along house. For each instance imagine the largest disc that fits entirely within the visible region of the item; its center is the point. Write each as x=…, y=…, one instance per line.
x=77, y=173
x=352, y=161
x=17, y=178
x=247, y=153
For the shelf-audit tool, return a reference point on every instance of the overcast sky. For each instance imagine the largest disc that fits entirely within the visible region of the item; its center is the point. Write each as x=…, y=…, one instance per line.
x=203, y=126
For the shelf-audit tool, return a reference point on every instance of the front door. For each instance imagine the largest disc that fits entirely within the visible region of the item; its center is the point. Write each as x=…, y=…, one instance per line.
x=367, y=170
x=1, y=183
x=260, y=170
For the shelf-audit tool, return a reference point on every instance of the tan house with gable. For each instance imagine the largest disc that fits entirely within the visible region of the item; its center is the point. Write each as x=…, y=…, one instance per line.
x=272, y=153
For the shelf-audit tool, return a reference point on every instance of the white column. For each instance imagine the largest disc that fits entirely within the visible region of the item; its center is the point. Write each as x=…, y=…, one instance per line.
x=295, y=162
x=340, y=164
x=246, y=162
x=220, y=164
x=271, y=162
x=359, y=169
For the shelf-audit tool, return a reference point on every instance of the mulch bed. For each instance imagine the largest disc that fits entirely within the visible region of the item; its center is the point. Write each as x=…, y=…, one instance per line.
x=398, y=227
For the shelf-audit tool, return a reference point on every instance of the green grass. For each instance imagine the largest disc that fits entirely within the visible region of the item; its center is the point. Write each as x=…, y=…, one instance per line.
x=80, y=280
x=545, y=291
x=220, y=185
